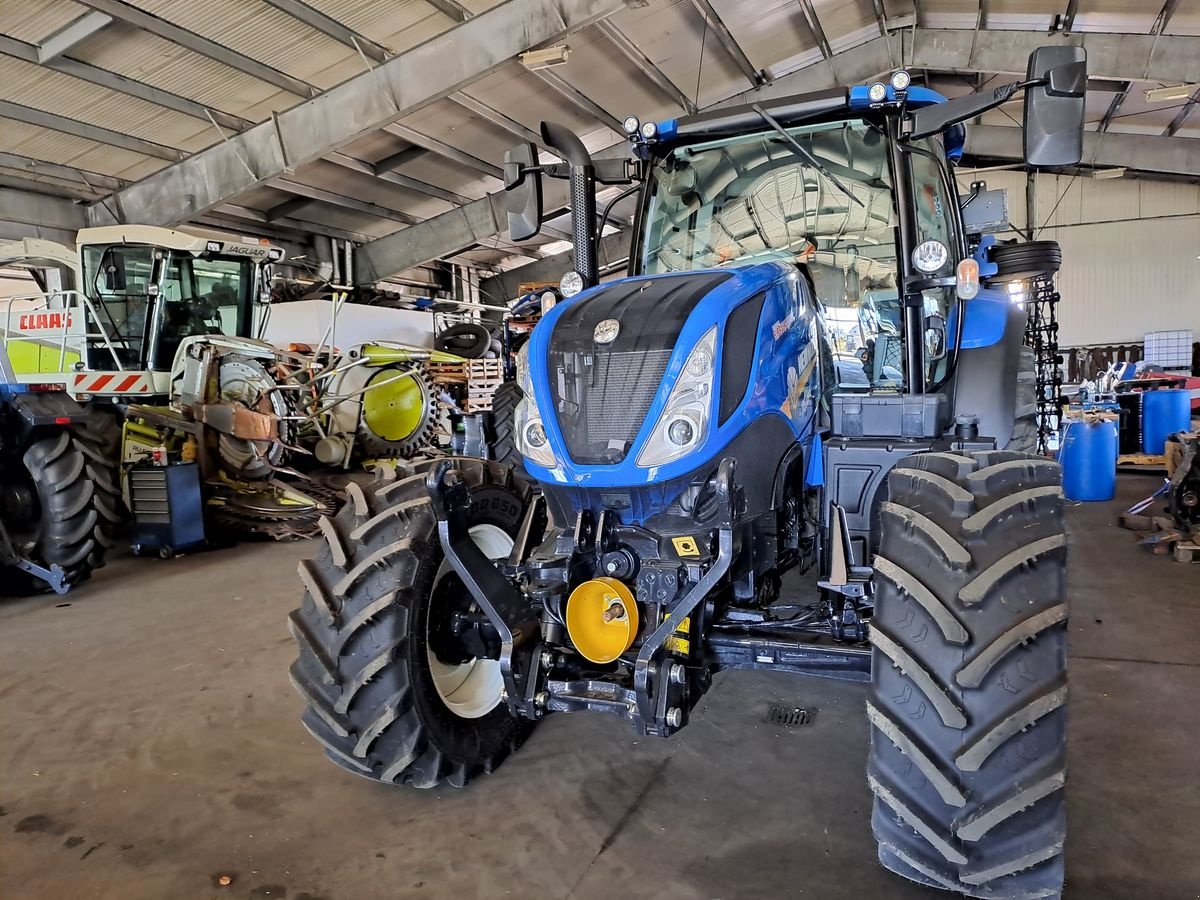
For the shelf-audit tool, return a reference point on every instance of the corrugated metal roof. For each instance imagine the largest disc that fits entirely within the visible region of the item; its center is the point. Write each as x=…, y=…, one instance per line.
x=35, y=86
x=71, y=150
x=259, y=31
x=144, y=57
x=32, y=20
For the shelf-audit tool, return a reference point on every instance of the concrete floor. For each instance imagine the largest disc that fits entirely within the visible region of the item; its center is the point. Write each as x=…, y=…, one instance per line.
x=150, y=745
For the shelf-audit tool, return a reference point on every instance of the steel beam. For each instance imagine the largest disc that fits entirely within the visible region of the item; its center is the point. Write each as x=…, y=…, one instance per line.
x=71, y=34
x=402, y=85
x=331, y=27
x=1122, y=57
x=1068, y=19
x=169, y=31
x=454, y=10
x=441, y=148
x=285, y=209
x=614, y=250
x=93, y=181
x=334, y=199
x=1136, y=152
x=1164, y=16
x=402, y=158
x=1114, y=107
x=579, y=99
x=455, y=231
x=31, y=208
x=1182, y=116
x=736, y=53
x=412, y=184
x=55, y=122
x=814, y=25
x=646, y=65
x=499, y=119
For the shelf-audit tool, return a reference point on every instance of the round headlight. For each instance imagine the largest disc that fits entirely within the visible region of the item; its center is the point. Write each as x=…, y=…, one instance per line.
x=877, y=93
x=649, y=130
x=571, y=284
x=535, y=434
x=930, y=256
x=699, y=362
x=681, y=432
x=631, y=124
x=901, y=80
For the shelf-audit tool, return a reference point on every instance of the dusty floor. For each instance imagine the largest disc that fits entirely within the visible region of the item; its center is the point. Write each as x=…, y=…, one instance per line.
x=149, y=744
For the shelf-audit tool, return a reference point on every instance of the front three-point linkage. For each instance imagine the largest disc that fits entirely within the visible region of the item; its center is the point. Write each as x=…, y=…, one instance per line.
x=509, y=612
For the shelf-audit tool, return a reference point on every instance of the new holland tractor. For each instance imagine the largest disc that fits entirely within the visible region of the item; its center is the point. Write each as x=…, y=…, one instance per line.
x=687, y=442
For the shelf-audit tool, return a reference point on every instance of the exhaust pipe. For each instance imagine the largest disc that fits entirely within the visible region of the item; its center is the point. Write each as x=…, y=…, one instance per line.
x=583, y=197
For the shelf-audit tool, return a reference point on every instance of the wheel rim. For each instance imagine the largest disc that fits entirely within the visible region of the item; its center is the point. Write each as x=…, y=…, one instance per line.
x=471, y=689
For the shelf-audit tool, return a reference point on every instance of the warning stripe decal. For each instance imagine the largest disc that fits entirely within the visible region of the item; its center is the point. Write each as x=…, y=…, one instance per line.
x=110, y=383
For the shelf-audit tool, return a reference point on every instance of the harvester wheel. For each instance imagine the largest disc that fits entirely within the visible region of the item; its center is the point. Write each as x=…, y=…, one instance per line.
x=379, y=598
x=1025, y=429
x=504, y=412
x=65, y=530
x=969, y=683
x=99, y=438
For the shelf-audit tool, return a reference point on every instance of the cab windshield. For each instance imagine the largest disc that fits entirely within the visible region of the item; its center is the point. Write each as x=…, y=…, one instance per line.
x=753, y=198
x=142, y=320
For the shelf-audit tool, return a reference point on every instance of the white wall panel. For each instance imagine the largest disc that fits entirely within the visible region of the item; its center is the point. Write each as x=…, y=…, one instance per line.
x=1130, y=249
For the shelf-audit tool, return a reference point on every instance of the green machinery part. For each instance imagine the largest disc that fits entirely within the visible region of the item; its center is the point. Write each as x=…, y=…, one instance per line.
x=397, y=413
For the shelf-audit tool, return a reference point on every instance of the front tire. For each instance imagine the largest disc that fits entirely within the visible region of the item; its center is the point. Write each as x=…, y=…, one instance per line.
x=969, y=682
x=377, y=697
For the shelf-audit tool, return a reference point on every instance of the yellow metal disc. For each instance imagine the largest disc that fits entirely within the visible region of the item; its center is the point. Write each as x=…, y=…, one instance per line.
x=602, y=619
x=394, y=405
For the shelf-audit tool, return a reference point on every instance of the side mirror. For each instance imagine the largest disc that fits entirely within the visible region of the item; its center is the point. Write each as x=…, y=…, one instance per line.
x=1054, y=111
x=522, y=192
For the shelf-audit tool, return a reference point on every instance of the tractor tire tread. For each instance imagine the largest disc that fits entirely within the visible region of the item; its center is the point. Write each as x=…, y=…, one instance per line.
x=356, y=668
x=967, y=708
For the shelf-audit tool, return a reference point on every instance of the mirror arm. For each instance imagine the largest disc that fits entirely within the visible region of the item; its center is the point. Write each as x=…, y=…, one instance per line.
x=931, y=120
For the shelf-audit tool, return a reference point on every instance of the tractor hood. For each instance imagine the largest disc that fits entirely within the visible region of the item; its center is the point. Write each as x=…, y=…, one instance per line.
x=605, y=371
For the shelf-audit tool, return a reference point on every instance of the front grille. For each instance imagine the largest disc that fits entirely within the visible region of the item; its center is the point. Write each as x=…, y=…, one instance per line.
x=602, y=397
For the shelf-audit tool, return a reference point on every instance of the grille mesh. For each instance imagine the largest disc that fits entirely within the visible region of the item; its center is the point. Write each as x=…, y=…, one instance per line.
x=602, y=398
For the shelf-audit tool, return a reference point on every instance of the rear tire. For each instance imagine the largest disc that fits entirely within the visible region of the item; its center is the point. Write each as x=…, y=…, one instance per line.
x=99, y=438
x=504, y=417
x=68, y=520
x=365, y=670
x=969, y=681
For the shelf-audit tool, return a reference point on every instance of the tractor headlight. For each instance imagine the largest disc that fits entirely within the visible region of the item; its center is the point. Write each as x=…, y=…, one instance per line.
x=683, y=425
x=527, y=420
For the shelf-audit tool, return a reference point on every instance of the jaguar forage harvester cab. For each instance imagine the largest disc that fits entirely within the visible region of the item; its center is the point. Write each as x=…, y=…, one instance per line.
x=807, y=368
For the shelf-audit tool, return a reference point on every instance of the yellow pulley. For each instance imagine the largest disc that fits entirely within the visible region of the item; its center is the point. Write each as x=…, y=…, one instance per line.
x=602, y=619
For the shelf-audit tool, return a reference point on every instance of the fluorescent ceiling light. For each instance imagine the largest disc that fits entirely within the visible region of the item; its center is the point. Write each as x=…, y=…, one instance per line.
x=1164, y=94
x=1108, y=173
x=546, y=58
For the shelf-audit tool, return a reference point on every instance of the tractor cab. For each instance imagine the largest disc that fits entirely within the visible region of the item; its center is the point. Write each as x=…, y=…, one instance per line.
x=149, y=288
x=107, y=317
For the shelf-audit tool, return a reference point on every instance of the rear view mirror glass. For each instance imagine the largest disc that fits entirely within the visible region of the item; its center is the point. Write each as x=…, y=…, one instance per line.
x=1054, y=111
x=522, y=192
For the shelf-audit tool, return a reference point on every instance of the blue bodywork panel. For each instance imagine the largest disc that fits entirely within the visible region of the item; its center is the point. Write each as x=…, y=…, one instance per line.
x=784, y=382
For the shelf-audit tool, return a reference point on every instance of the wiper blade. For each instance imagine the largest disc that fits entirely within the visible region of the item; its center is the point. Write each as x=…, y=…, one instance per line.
x=812, y=160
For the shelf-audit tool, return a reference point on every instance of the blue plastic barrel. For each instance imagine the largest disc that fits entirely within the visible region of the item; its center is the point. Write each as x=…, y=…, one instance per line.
x=1089, y=460
x=1164, y=413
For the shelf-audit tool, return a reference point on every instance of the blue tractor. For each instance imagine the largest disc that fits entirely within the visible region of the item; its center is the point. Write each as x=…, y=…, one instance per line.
x=687, y=442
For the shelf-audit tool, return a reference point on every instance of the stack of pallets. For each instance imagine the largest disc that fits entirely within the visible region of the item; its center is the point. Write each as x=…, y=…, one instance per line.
x=477, y=380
